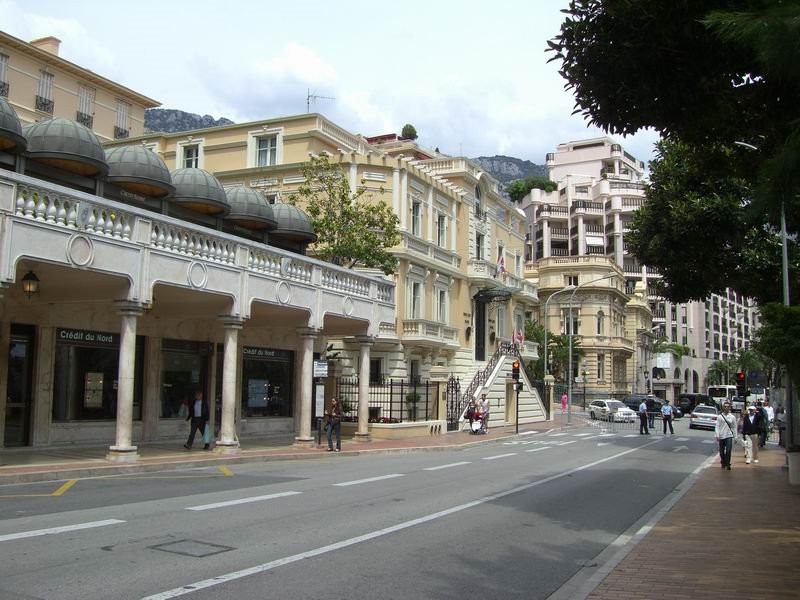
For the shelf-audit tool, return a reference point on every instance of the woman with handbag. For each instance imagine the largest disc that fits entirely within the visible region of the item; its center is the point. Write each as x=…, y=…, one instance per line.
x=334, y=415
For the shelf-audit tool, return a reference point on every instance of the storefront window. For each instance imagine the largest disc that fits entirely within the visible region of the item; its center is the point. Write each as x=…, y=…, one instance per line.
x=85, y=383
x=184, y=369
x=267, y=382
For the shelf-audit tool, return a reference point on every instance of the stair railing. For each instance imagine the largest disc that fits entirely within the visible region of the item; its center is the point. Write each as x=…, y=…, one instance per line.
x=482, y=376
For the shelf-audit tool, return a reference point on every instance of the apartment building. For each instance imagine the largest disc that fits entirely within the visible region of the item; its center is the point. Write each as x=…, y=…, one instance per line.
x=461, y=290
x=39, y=84
x=600, y=187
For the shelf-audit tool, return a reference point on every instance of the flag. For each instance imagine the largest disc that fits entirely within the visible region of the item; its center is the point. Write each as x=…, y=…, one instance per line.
x=501, y=264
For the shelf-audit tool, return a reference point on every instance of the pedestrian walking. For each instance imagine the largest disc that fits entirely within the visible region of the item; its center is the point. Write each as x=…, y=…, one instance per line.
x=751, y=427
x=770, y=416
x=724, y=433
x=334, y=416
x=763, y=425
x=643, y=430
x=198, y=415
x=484, y=408
x=666, y=417
x=471, y=410
x=651, y=411
x=564, y=400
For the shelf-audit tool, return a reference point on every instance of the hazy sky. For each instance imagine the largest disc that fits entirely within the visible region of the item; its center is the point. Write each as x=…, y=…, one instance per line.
x=471, y=76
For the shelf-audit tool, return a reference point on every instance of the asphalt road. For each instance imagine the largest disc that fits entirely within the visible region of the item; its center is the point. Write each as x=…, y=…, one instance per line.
x=503, y=520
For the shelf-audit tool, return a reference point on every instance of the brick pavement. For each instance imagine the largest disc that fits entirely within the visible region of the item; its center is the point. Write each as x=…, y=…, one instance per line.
x=734, y=534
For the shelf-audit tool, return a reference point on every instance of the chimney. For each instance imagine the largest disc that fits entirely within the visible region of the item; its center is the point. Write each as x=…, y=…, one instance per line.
x=48, y=44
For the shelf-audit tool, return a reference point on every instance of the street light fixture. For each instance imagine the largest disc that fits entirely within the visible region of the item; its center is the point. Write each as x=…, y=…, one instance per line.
x=571, y=334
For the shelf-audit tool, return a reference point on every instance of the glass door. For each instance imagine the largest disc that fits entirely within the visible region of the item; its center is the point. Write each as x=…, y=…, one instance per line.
x=480, y=330
x=18, y=402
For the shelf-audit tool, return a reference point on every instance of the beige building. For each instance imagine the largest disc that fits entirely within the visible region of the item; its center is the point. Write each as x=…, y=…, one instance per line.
x=39, y=84
x=461, y=291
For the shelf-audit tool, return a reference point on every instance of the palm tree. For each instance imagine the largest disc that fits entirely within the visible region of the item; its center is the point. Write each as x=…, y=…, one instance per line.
x=663, y=345
x=719, y=372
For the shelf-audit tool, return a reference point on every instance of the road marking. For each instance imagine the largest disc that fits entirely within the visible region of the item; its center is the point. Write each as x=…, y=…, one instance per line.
x=225, y=471
x=567, y=443
x=539, y=448
x=499, y=456
x=262, y=568
x=681, y=439
x=458, y=464
x=60, y=491
x=54, y=530
x=607, y=434
x=679, y=448
x=603, y=443
x=708, y=441
x=631, y=435
x=528, y=432
x=557, y=434
x=582, y=434
x=369, y=480
x=241, y=501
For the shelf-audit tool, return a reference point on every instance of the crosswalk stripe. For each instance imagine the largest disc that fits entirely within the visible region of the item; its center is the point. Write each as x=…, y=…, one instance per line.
x=54, y=530
x=499, y=456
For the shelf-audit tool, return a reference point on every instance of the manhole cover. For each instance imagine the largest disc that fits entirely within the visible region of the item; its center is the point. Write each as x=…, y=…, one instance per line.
x=192, y=548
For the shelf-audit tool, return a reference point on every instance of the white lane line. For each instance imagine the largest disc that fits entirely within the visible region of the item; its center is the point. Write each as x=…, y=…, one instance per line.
x=458, y=464
x=539, y=448
x=567, y=443
x=220, y=579
x=681, y=439
x=499, y=456
x=528, y=432
x=369, y=480
x=631, y=435
x=557, y=434
x=708, y=441
x=241, y=501
x=53, y=530
x=582, y=434
x=607, y=434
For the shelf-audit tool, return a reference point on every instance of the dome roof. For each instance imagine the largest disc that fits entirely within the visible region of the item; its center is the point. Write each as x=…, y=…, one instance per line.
x=250, y=208
x=293, y=223
x=200, y=191
x=67, y=145
x=11, y=138
x=139, y=170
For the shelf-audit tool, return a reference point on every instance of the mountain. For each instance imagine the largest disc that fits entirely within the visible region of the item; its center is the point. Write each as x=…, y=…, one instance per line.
x=507, y=168
x=169, y=120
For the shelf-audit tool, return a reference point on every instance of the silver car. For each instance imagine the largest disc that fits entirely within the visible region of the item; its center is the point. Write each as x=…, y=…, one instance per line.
x=703, y=417
x=608, y=410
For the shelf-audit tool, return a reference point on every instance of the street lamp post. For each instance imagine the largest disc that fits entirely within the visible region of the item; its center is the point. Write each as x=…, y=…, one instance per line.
x=571, y=334
x=546, y=302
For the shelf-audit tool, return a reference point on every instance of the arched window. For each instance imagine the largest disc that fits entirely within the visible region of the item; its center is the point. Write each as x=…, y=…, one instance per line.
x=601, y=324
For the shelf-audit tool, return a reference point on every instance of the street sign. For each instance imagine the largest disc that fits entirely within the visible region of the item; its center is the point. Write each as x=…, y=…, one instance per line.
x=320, y=368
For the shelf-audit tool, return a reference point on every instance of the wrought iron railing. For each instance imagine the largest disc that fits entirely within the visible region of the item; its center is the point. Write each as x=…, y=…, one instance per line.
x=44, y=105
x=4, y=89
x=120, y=134
x=84, y=119
x=390, y=400
x=482, y=376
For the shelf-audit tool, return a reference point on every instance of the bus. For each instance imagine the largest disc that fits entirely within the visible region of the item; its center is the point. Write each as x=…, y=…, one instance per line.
x=725, y=393
x=757, y=393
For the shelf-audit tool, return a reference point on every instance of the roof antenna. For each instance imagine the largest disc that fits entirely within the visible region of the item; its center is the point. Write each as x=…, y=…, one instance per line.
x=313, y=98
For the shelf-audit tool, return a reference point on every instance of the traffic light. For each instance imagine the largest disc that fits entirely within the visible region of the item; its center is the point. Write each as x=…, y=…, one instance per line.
x=741, y=385
x=515, y=370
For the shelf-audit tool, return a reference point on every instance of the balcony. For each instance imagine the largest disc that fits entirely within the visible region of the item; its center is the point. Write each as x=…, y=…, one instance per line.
x=481, y=215
x=594, y=229
x=44, y=105
x=549, y=158
x=429, y=334
x=4, y=89
x=121, y=134
x=59, y=226
x=435, y=254
x=595, y=250
x=626, y=186
x=559, y=251
x=84, y=119
x=481, y=271
x=524, y=287
x=587, y=207
x=559, y=233
x=551, y=210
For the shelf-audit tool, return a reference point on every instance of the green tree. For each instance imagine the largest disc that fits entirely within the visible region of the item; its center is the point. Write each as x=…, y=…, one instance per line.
x=719, y=372
x=705, y=74
x=559, y=355
x=663, y=345
x=520, y=188
x=408, y=132
x=534, y=332
x=353, y=229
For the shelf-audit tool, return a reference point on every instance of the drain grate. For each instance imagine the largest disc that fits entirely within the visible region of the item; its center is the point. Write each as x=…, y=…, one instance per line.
x=192, y=548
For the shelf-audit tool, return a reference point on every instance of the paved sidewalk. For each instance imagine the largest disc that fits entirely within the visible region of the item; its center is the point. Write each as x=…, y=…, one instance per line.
x=71, y=462
x=734, y=534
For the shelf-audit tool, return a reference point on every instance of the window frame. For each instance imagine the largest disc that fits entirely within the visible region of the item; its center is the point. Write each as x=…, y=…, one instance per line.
x=180, y=152
x=253, y=138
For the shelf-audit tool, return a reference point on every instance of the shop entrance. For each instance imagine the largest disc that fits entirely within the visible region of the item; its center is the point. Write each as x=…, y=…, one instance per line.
x=20, y=370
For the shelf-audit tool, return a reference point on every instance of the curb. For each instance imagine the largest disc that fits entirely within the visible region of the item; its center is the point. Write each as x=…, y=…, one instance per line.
x=108, y=470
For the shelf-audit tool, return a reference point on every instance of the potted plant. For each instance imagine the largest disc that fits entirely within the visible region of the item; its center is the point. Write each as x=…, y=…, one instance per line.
x=411, y=401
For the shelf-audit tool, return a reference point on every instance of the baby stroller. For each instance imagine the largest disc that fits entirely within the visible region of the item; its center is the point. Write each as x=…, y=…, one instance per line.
x=477, y=426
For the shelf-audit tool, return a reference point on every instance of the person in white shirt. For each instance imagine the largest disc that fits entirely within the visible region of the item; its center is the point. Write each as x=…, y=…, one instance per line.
x=725, y=432
x=643, y=430
x=666, y=417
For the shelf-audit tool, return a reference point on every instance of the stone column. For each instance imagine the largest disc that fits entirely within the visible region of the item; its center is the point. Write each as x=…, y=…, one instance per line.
x=151, y=411
x=396, y=191
x=227, y=442
x=581, y=237
x=43, y=385
x=619, y=247
x=307, y=336
x=365, y=344
x=546, y=239
x=404, y=200
x=124, y=450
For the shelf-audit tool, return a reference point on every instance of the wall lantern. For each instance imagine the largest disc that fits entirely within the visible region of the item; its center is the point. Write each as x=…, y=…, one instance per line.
x=30, y=284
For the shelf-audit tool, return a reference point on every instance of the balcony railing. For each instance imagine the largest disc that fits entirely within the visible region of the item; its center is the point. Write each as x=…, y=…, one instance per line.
x=594, y=229
x=626, y=185
x=559, y=252
x=588, y=206
x=120, y=134
x=549, y=157
x=4, y=89
x=595, y=250
x=84, y=119
x=44, y=105
x=549, y=209
x=429, y=331
x=559, y=233
x=481, y=215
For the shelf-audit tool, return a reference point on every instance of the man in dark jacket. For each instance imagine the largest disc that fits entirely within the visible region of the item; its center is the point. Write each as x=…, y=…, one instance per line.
x=651, y=411
x=198, y=415
x=751, y=427
x=762, y=434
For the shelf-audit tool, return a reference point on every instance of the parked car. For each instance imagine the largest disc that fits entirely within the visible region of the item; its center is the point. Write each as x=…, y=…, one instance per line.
x=687, y=402
x=605, y=411
x=703, y=417
x=677, y=413
x=633, y=401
